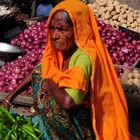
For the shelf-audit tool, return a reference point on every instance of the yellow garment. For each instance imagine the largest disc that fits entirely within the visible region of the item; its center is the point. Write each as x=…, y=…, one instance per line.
x=108, y=104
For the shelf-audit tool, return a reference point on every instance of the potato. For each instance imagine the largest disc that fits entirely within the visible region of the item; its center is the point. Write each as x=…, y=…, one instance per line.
x=130, y=82
x=112, y=23
x=137, y=82
x=138, y=20
x=123, y=21
x=130, y=8
x=113, y=13
x=106, y=21
x=110, y=8
x=116, y=3
x=124, y=6
x=120, y=18
x=104, y=16
x=122, y=11
x=118, y=10
x=134, y=24
x=130, y=18
x=130, y=75
x=128, y=24
x=135, y=74
x=101, y=2
x=124, y=25
x=124, y=16
x=136, y=11
x=115, y=17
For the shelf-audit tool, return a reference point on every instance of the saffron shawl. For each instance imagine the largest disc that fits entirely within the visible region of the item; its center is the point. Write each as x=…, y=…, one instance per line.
x=107, y=100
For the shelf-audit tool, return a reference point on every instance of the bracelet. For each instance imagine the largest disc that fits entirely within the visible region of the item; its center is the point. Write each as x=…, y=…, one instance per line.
x=7, y=101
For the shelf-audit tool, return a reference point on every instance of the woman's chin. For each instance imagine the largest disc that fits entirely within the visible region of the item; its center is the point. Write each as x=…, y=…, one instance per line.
x=58, y=48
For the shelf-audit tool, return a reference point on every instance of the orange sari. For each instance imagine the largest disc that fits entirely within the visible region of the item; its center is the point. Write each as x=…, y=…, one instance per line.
x=107, y=100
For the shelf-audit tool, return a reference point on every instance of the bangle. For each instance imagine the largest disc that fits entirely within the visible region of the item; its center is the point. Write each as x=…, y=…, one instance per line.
x=7, y=101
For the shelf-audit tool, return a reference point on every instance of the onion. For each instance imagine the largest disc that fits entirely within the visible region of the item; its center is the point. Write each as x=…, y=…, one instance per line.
x=123, y=48
x=33, y=41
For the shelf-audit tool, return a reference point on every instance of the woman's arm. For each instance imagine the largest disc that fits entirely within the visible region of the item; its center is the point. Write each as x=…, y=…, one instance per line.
x=59, y=94
x=8, y=100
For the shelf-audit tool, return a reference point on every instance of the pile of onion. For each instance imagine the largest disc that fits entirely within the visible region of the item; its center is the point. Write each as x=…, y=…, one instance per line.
x=123, y=48
x=33, y=41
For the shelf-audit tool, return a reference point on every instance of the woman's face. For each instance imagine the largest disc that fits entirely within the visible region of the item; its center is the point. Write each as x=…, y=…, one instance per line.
x=62, y=35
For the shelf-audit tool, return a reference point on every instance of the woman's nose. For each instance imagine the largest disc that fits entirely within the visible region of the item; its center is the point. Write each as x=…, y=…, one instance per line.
x=56, y=34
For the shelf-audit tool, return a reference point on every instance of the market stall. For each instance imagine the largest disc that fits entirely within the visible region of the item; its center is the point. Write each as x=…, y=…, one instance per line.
x=119, y=27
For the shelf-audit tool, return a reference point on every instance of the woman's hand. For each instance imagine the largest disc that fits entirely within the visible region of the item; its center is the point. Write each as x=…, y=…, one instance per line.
x=58, y=93
x=48, y=85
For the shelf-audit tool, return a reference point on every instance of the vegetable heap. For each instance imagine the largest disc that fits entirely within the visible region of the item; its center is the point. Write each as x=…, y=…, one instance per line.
x=33, y=41
x=17, y=128
x=123, y=48
x=131, y=81
x=117, y=14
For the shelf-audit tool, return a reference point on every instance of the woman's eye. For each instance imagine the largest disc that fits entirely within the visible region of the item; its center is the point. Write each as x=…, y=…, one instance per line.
x=58, y=28
x=62, y=29
x=52, y=28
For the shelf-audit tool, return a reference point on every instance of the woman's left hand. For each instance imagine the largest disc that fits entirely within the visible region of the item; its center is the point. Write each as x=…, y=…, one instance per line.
x=58, y=93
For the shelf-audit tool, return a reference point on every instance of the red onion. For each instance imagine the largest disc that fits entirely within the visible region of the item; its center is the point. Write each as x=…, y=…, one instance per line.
x=33, y=41
x=123, y=48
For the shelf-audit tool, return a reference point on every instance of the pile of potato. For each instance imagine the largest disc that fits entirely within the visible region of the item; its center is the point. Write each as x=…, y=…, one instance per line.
x=130, y=81
x=117, y=14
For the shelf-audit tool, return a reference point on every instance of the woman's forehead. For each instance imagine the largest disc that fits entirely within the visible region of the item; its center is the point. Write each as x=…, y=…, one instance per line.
x=59, y=15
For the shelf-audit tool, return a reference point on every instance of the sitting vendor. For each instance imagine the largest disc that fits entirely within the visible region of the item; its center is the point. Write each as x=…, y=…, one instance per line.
x=76, y=86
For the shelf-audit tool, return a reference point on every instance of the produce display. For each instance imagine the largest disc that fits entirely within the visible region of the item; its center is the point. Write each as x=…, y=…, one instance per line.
x=33, y=41
x=117, y=14
x=131, y=81
x=123, y=48
x=16, y=127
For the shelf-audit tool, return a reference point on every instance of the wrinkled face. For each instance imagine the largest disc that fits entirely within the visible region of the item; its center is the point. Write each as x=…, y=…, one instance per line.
x=62, y=35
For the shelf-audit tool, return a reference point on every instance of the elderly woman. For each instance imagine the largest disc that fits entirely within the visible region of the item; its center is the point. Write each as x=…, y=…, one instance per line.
x=80, y=96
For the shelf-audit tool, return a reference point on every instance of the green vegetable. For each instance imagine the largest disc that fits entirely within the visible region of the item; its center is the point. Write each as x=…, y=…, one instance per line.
x=1, y=127
x=17, y=127
x=7, y=113
x=36, y=124
x=30, y=133
x=8, y=135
